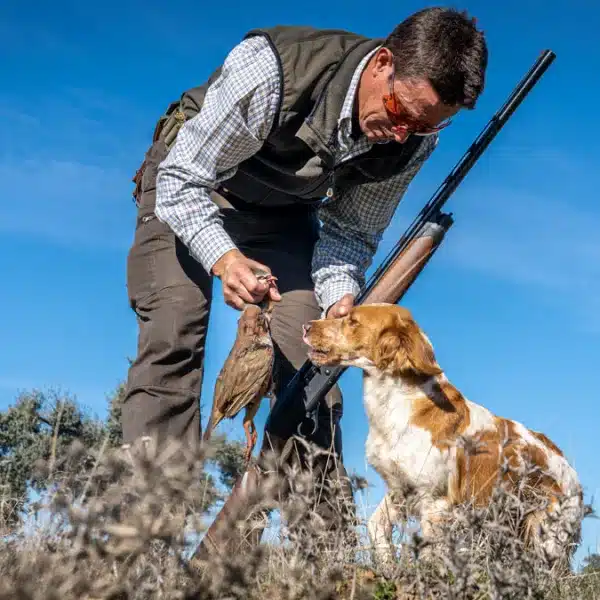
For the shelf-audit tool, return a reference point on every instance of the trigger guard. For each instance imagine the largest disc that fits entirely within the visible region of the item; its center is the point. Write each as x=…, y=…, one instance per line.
x=307, y=419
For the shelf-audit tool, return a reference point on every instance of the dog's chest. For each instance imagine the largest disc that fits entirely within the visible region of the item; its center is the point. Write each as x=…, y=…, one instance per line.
x=400, y=452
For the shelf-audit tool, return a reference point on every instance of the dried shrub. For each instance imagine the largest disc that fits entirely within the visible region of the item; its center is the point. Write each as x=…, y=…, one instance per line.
x=126, y=528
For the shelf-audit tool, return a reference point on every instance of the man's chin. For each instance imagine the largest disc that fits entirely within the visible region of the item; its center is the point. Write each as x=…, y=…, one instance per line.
x=377, y=132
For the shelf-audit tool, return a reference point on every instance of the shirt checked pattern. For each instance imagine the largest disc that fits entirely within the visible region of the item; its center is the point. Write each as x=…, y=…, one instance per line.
x=236, y=117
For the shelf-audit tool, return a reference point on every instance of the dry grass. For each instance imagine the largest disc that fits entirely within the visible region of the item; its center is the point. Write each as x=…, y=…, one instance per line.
x=129, y=535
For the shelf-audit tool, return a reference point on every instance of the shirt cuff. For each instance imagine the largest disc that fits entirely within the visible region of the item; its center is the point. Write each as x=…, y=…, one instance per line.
x=333, y=290
x=209, y=244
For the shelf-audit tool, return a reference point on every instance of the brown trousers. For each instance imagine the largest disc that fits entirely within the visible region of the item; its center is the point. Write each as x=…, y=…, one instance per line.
x=171, y=294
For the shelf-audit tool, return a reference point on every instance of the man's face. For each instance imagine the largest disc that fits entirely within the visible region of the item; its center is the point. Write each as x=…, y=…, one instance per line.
x=391, y=108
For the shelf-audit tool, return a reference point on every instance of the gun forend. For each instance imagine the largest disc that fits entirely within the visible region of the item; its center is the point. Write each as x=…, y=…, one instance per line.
x=401, y=273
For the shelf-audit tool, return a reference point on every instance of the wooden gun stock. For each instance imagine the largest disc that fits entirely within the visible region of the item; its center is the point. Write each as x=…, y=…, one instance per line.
x=406, y=267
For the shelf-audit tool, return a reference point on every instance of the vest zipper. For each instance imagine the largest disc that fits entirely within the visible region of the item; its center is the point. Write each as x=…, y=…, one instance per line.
x=331, y=189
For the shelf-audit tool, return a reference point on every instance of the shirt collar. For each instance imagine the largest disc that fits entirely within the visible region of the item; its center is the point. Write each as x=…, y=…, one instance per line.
x=345, y=120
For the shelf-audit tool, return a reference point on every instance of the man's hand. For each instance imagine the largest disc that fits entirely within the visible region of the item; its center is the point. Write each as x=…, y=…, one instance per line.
x=240, y=285
x=341, y=307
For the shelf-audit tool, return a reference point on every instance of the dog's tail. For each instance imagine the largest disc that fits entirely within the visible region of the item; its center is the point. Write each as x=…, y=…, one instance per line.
x=556, y=531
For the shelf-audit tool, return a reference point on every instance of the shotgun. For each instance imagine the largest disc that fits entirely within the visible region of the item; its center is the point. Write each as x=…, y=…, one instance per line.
x=389, y=283
x=399, y=269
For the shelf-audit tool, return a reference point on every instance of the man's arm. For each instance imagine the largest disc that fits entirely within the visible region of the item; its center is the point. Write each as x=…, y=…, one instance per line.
x=235, y=119
x=352, y=227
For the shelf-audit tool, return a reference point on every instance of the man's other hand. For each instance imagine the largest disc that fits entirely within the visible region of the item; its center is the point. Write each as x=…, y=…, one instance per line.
x=341, y=307
x=240, y=285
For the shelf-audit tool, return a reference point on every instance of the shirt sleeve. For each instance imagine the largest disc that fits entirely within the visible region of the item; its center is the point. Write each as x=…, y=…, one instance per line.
x=352, y=227
x=236, y=117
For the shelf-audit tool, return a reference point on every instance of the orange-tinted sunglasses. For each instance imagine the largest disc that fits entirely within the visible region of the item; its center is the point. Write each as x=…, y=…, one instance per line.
x=400, y=117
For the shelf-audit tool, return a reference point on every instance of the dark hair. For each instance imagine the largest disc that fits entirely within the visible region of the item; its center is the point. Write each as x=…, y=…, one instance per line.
x=444, y=46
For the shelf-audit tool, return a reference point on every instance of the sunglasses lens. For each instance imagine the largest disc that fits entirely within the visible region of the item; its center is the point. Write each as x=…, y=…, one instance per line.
x=432, y=130
x=401, y=119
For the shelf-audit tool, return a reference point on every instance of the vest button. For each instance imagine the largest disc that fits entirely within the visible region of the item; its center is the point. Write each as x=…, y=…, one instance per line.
x=329, y=193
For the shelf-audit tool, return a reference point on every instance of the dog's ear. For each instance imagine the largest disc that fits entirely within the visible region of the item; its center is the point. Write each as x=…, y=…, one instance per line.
x=386, y=352
x=420, y=354
x=403, y=351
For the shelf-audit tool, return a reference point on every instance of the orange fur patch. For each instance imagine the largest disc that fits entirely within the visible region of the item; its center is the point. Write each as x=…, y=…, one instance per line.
x=481, y=467
x=444, y=414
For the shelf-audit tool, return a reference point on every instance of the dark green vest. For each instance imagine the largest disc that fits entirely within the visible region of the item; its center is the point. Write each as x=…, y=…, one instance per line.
x=296, y=162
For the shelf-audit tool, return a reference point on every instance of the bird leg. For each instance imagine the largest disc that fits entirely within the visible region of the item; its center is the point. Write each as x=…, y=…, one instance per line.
x=265, y=277
x=266, y=304
x=251, y=437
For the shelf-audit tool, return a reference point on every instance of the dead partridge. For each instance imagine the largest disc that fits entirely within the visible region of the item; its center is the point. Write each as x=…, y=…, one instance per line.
x=246, y=376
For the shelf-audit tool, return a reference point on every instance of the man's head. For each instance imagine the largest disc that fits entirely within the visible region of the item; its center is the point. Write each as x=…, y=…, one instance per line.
x=430, y=66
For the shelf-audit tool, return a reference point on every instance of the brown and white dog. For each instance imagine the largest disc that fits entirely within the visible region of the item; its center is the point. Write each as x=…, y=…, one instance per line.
x=417, y=420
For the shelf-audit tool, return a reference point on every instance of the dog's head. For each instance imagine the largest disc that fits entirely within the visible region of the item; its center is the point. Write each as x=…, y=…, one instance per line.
x=375, y=337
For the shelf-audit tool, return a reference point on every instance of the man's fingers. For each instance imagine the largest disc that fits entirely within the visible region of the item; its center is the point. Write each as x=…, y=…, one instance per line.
x=256, y=287
x=240, y=290
x=234, y=301
x=253, y=264
x=348, y=301
x=342, y=307
x=252, y=284
x=241, y=285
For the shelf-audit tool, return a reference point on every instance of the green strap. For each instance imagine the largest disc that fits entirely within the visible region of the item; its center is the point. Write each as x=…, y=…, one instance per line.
x=172, y=126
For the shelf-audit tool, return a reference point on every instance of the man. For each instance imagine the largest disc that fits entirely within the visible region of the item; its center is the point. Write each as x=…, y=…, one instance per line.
x=292, y=158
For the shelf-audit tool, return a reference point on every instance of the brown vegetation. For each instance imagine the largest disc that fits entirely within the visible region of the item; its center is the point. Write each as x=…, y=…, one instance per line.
x=125, y=529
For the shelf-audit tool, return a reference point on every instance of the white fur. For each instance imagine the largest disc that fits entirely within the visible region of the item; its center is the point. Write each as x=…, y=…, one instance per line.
x=480, y=419
x=400, y=453
x=405, y=458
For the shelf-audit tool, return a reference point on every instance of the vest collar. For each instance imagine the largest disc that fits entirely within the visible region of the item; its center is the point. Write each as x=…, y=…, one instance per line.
x=332, y=113
x=344, y=136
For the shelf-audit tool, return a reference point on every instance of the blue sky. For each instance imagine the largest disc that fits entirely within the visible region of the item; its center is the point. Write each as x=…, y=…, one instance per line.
x=511, y=300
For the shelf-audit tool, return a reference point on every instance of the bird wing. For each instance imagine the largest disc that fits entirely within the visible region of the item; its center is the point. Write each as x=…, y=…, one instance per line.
x=246, y=380
x=245, y=377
